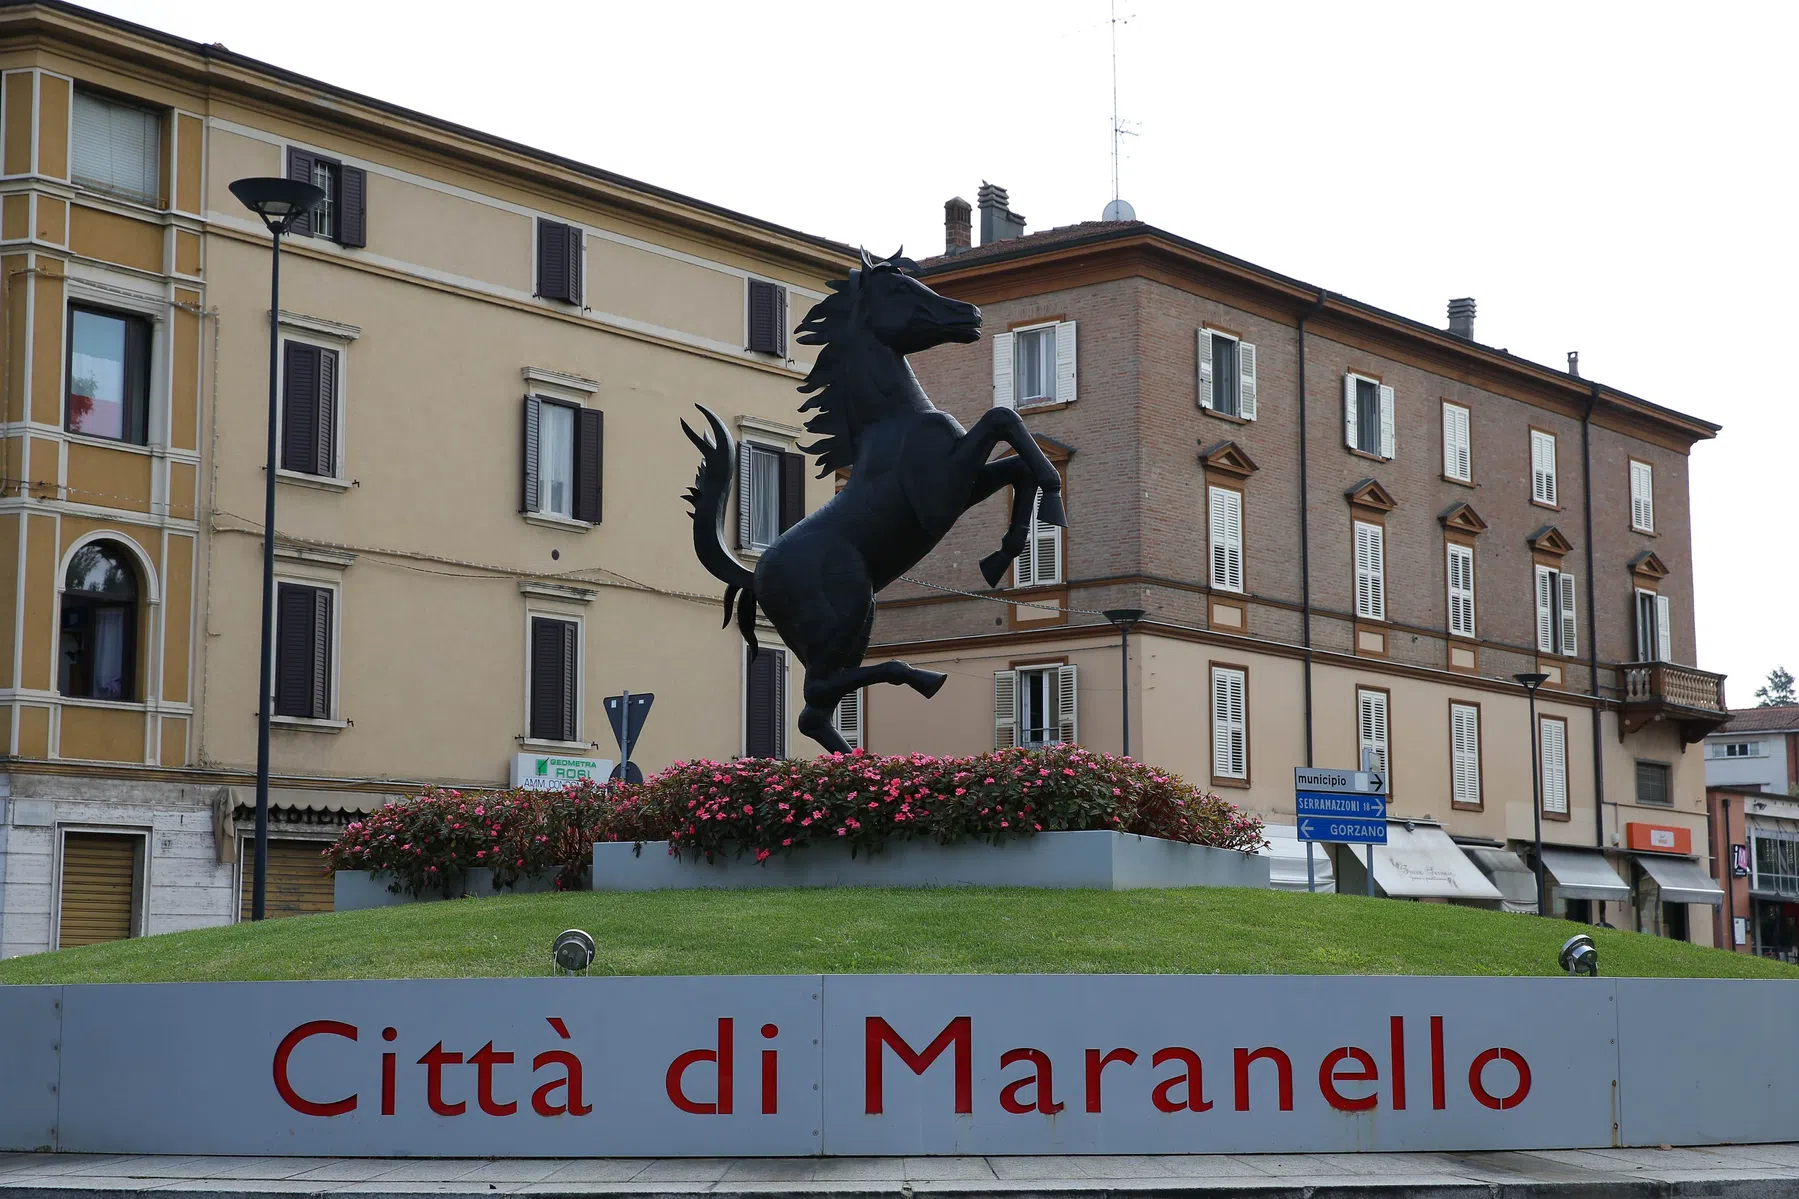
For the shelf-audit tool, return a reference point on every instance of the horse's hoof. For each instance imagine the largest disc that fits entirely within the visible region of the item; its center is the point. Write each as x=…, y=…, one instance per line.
x=929, y=682
x=993, y=566
x=1049, y=509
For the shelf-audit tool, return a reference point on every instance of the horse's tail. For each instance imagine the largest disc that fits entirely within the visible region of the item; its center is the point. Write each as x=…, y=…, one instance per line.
x=707, y=495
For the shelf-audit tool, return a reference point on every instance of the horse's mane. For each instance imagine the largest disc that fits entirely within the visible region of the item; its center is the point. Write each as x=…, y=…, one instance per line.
x=837, y=423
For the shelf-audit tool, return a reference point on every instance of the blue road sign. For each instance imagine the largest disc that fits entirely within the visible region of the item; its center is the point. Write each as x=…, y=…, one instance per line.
x=1345, y=830
x=1315, y=803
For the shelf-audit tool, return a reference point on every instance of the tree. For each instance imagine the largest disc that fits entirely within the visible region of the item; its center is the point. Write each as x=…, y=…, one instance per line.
x=1777, y=691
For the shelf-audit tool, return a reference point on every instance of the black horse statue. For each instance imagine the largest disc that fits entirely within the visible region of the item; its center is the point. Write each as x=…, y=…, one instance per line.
x=913, y=471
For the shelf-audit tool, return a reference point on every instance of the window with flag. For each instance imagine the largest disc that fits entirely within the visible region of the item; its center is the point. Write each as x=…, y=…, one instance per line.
x=1230, y=723
x=1557, y=628
x=767, y=318
x=1370, y=571
x=555, y=679
x=1040, y=562
x=304, y=655
x=1542, y=468
x=564, y=459
x=1224, y=514
x=847, y=718
x=1461, y=589
x=1464, y=754
x=765, y=705
x=1033, y=705
x=1553, y=748
x=1227, y=374
x=1371, y=728
x=1368, y=416
x=1035, y=364
x=771, y=493
x=342, y=216
x=1642, y=497
x=309, y=401
x=1654, y=628
x=116, y=147
x=1458, y=450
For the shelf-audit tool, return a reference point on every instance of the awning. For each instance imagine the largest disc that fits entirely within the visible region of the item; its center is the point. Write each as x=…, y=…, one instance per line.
x=1287, y=860
x=1580, y=875
x=1516, y=882
x=1423, y=863
x=1682, y=880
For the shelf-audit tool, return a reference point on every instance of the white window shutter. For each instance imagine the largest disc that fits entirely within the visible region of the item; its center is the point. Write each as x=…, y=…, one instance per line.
x=1225, y=519
x=1555, y=767
x=1642, y=496
x=1664, y=639
x=1005, y=709
x=1546, y=605
x=1024, y=567
x=1003, y=395
x=1464, y=738
x=1349, y=421
x=1458, y=459
x=1205, y=369
x=848, y=718
x=1461, y=590
x=1542, y=468
x=1065, y=372
x=1371, y=719
x=1378, y=562
x=1371, y=599
x=744, y=502
x=1386, y=422
x=1065, y=705
x=1046, y=548
x=1246, y=397
x=1230, y=749
x=1570, y=627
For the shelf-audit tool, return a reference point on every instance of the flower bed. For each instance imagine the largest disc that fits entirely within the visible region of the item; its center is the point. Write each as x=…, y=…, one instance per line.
x=764, y=807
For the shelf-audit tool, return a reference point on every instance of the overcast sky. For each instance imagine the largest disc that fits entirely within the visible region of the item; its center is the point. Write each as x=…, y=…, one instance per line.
x=1616, y=179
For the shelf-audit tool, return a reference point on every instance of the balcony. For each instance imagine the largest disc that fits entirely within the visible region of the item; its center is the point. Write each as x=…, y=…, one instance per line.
x=1691, y=699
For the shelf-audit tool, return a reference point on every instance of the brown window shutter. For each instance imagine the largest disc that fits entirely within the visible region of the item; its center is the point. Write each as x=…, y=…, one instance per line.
x=299, y=167
x=326, y=431
x=552, y=260
x=554, y=653
x=793, y=490
x=533, y=411
x=764, y=323
x=321, y=653
x=765, y=716
x=295, y=655
x=300, y=407
x=352, y=207
x=574, y=265
x=569, y=689
x=590, y=454
x=780, y=333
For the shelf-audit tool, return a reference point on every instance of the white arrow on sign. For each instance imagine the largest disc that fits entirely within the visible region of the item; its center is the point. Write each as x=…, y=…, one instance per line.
x=1305, y=830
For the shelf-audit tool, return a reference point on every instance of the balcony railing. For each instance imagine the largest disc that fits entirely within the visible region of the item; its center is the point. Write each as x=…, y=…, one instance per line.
x=1691, y=697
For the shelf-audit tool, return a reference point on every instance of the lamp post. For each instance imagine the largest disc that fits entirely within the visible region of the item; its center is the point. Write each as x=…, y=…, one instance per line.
x=1530, y=681
x=279, y=202
x=1124, y=618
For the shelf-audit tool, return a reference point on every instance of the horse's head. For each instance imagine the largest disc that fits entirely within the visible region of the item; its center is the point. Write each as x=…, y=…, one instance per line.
x=904, y=314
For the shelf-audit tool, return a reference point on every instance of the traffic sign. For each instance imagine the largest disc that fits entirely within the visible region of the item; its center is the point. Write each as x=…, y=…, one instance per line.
x=1344, y=830
x=639, y=708
x=1342, y=782
x=1315, y=803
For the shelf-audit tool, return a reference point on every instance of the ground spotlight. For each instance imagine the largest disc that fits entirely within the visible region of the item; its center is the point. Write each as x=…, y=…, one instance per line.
x=572, y=951
x=1579, y=957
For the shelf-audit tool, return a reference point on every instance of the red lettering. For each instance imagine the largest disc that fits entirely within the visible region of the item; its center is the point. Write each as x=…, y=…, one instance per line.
x=387, y=1074
x=571, y=1078
x=1283, y=1066
x=484, y=1060
x=1477, y=1086
x=724, y=1057
x=1436, y=1063
x=1396, y=1060
x=434, y=1061
x=771, y=1087
x=1163, y=1095
x=1041, y=1078
x=291, y=1097
x=1328, y=1078
x=1096, y=1066
x=958, y=1032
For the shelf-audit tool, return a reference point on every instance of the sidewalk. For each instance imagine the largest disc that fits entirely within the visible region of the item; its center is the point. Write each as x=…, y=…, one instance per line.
x=1727, y=1172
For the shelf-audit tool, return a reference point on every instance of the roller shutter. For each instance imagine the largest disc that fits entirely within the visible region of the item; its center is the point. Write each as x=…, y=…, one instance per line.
x=299, y=883
x=99, y=877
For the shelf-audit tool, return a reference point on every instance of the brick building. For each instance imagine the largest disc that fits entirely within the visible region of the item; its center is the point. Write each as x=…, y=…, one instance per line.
x=1361, y=572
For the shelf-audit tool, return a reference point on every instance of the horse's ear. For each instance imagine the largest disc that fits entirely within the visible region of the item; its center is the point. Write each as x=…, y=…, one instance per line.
x=867, y=262
x=897, y=256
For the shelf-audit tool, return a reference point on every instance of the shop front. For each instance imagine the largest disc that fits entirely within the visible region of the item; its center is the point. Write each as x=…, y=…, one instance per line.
x=1774, y=882
x=1669, y=882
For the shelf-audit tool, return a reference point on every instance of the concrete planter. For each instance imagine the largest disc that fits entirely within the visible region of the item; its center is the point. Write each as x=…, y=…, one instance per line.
x=1100, y=859
x=354, y=890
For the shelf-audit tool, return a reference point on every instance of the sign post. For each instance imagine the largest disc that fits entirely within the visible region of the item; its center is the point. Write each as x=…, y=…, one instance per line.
x=1348, y=807
x=626, y=713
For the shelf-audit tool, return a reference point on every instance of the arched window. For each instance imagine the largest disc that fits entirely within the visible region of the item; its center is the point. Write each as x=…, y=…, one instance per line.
x=99, y=624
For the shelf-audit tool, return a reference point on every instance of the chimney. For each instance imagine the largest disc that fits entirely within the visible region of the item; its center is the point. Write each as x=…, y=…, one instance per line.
x=956, y=229
x=1574, y=363
x=998, y=222
x=1461, y=318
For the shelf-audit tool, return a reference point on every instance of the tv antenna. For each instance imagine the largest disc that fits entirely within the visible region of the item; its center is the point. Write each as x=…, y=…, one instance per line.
x=1118, y=209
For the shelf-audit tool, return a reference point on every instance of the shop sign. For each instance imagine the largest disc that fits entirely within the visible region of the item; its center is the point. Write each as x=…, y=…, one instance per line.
x=1658, y=838
x=545, y=772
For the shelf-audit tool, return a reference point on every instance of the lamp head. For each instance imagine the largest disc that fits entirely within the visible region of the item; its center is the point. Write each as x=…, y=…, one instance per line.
x=1124, y=618
x=279, y=202
x=1531, y=680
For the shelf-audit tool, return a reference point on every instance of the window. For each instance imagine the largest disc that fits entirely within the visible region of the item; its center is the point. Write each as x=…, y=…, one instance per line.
x=554, y=685
x=1230, y=723
x=765, y=706
x=1642, y=497
x=1033, y=705
x=1774, y=864
x=342, y=216
x=558, y=261
x=1041, y=561
x=1556, y=624
x=1461, y=590
x=1737, y=749
x=102, y=889
x=1542, y=468
x=98, y=654
x=303, y=651
x=565, y=449
x=1464, y=755
x=1370, y=571
x=1224, y=512
x=109, y=375
x=767, y=317
x=771, y=494
x=1652, y=785
x=309, y=376
x=1034, y=365
x=1458, y=454
x=117, y=148
x=847, y=718
x=1227, y=375
x=1368, y=416
x=1654, y=632
x=1553, y=746
x=1371, y=728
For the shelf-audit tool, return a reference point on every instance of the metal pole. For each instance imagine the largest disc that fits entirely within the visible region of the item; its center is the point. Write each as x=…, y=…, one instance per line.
x=1311, y=870
x=1124, y=684
x=1370, y=871
x=259, y=890
x=1536, y=807
x=624, y=737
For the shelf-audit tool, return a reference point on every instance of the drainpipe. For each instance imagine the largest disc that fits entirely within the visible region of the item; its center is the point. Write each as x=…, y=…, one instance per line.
x=1305, y=536
x=1586, y=487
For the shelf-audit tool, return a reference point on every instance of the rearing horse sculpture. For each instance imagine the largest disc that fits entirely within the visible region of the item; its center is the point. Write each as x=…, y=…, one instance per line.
x=913, y=471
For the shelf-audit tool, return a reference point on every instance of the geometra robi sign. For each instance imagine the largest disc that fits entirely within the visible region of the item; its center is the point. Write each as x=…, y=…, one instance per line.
x=890, y=1065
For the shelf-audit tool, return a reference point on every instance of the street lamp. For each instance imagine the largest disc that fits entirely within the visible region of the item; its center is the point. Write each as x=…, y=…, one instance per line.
x=279, y=202
x=1530, y=681
x=1124, y=618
